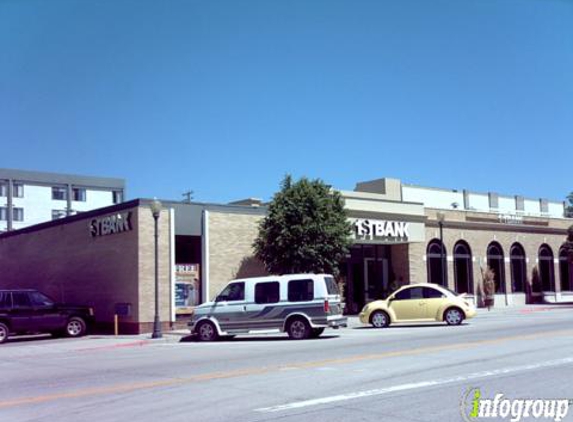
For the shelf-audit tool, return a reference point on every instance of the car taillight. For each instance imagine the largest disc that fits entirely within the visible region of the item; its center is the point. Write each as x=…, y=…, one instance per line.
x=91, y=311
x=326, y=306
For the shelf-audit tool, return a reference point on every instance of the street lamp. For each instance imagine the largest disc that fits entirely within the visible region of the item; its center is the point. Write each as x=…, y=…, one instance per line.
x=441, y=217
x=155, y=211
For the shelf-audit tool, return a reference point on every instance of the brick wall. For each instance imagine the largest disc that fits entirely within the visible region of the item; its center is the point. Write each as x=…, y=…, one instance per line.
x=552, y=233
x=231, y=237
x=146, y=267
x=70, y=265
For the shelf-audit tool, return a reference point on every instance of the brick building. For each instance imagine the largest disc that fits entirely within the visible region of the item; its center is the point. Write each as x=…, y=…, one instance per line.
x=105, y=257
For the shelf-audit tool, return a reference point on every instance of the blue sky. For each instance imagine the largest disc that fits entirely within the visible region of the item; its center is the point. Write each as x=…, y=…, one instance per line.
x=226, y=97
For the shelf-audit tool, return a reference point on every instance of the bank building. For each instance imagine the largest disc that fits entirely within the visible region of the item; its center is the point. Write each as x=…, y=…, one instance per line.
x=402, y=233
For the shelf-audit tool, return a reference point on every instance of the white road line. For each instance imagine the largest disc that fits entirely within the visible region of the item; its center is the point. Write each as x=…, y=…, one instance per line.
x=412, y=386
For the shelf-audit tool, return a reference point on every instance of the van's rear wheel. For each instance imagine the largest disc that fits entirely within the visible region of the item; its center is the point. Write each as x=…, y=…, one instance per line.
x=298, y=329
x=207, y=331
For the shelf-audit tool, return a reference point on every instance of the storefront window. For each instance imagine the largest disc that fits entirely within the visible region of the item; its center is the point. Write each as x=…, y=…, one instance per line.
x=496, y=263
x=518, y=268
x=436, y=258
x=463, y=272
x=564, y=273
x=546, y=271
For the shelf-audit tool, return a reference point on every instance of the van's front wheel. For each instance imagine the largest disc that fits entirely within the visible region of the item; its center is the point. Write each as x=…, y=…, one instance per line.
x=298, y=329
x=206, y=331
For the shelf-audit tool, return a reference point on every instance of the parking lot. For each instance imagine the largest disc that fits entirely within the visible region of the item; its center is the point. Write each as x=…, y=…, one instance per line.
x=401, y=372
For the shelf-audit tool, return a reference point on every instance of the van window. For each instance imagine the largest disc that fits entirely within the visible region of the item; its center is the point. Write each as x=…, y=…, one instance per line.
x=267, y=292
x=300, y=290
x=234, y=291
x=331, y=286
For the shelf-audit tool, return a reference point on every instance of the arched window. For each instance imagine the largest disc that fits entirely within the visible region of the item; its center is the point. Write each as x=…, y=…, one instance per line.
x=518, y=267
x=495, y=262
x=546, y=272
x=463, y=271
x=564, y=273
x=436, y=258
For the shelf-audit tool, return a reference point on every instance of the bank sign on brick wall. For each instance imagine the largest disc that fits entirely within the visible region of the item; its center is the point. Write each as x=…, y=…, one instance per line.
x=111, y=224
x=387, y=231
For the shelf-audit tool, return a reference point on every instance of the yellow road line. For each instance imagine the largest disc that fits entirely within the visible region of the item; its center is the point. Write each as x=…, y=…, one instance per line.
x=126, y=388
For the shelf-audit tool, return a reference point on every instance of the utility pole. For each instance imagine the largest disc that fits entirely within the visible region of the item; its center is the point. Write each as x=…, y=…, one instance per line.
x=188, y=196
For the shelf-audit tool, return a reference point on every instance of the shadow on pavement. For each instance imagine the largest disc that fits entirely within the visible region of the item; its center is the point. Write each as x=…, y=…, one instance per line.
x=402, y=326
x=253, y=338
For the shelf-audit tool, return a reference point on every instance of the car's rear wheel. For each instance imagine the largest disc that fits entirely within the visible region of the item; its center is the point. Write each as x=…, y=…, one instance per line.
x=206, y=331
x=4, y=332
x=298, y=329
x=454, y=316
x=75, y=327
x=379, y=319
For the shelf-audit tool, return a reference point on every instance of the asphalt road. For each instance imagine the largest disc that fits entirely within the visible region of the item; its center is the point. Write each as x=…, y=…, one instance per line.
x=402, y=373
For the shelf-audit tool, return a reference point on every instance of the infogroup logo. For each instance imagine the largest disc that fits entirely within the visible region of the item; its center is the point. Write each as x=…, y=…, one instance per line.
x=475, y=407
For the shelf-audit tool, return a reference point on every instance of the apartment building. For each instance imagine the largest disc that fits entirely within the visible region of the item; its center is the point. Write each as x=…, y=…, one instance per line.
x=31, y=197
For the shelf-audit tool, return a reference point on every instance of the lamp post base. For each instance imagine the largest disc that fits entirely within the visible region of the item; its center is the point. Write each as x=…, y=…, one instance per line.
x=156, y=328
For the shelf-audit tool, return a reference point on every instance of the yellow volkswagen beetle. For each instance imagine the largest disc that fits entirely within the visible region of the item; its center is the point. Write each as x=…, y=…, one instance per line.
x=418, y=303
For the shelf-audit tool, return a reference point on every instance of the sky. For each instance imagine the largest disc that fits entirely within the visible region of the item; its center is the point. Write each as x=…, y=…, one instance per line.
x=227, y=97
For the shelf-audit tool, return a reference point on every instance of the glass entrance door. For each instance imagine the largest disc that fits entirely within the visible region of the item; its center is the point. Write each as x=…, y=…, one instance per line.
x=376, y=278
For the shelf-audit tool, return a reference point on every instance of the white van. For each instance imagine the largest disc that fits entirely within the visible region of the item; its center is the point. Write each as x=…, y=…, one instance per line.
x=302, y=305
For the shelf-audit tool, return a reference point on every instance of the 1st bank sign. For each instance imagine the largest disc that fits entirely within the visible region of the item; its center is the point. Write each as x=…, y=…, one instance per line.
x=381, y=229
x=116, y=223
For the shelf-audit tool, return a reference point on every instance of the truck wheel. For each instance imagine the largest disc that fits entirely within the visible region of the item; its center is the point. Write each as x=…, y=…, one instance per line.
x=4, y=332
x=76, y=327
x=298, y=329
x=207, y=331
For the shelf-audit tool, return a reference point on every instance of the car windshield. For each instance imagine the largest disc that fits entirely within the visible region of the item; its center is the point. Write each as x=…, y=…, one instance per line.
x=40, y=299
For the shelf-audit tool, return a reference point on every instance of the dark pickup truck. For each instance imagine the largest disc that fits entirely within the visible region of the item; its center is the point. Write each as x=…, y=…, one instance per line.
x=26, y=311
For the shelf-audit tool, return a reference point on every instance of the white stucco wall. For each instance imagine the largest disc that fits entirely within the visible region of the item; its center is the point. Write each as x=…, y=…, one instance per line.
x=433, y=198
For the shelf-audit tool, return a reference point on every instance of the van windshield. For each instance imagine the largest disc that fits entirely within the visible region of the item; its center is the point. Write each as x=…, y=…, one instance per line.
x=331, y=286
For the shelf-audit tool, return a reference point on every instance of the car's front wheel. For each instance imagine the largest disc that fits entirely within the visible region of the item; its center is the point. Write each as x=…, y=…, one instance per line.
x=379, y=319
x=4, y=332
x=75, y=327
x=454, y=316
x=206, y=331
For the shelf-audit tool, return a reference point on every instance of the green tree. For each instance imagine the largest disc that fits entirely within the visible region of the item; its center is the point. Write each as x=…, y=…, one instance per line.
x=306, y=229
x=569, y=208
